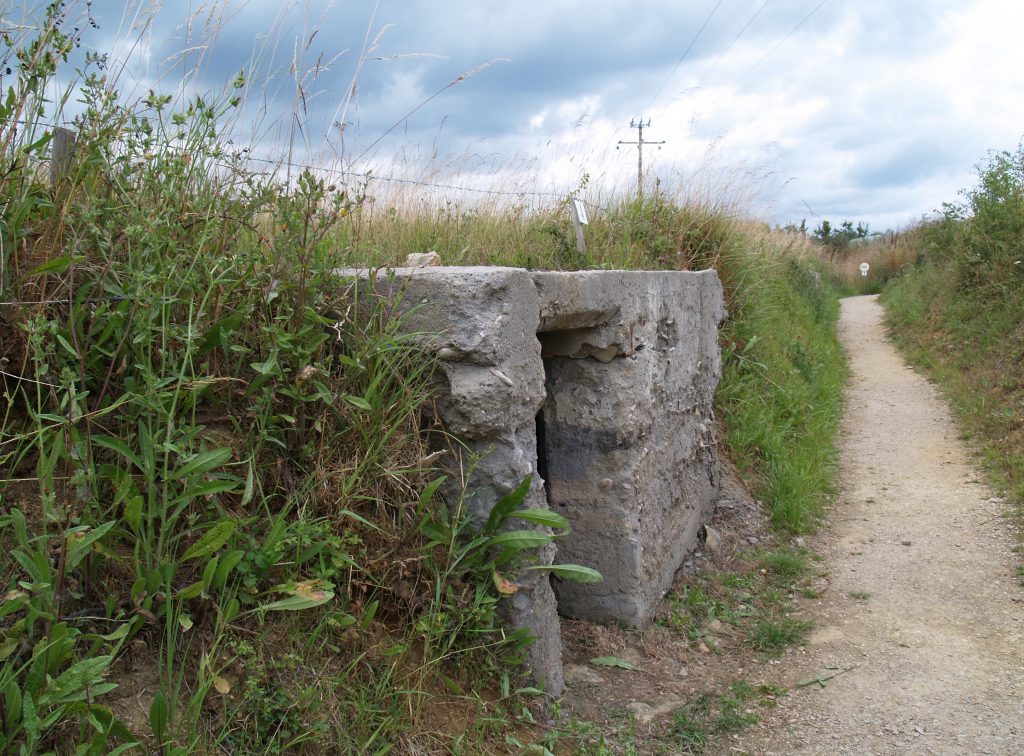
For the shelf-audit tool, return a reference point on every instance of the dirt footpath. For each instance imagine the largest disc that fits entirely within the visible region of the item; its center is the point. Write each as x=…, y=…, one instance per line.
x=924, y=610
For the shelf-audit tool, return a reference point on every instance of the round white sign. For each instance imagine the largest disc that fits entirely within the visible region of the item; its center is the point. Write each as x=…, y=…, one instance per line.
x=864, y=268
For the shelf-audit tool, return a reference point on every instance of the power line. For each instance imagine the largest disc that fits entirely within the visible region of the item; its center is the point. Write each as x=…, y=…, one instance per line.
x=370, y=176
x=703, y=77
x=781, y=41
x=686, y=52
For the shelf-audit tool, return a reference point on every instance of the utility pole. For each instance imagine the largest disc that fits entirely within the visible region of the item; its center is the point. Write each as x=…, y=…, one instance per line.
x=639, y=125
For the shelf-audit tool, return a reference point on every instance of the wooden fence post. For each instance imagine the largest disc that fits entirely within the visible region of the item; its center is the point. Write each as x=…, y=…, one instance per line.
x=61, y=153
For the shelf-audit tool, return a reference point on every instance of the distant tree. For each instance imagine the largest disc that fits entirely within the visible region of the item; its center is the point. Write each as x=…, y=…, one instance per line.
x=838, y=238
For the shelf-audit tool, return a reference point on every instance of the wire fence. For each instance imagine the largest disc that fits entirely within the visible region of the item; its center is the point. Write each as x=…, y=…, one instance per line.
x=370, y=175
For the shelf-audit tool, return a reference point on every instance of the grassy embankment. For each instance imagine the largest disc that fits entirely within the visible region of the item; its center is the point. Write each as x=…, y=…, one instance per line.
x=959, y=314
x=218, y=529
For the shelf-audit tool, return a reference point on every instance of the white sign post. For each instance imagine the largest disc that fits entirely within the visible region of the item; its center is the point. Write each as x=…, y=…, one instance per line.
x=579, y=219
x=864, y=268
x=581, y=212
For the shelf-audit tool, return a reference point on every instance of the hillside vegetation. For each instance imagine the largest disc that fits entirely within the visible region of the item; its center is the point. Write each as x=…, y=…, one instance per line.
x=959, y=312
x=218, y=528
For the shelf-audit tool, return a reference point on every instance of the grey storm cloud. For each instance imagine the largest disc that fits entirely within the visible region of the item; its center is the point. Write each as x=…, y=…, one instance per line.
x=548, y=51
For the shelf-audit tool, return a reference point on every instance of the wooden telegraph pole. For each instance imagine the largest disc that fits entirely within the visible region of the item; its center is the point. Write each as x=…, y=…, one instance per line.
x=639, y=125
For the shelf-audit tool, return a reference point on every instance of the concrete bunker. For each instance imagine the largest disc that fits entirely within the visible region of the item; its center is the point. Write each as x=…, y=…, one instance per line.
x=599, y=384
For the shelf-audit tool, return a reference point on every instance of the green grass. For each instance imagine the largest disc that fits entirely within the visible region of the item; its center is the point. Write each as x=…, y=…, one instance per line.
x=756, y=603
x=781, y=392
x=773, y=634
x=788, y=564
x=708, y=716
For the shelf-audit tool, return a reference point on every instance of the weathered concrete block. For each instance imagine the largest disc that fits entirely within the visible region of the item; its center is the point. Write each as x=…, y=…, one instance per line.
x=600, y=385
x=628, y=430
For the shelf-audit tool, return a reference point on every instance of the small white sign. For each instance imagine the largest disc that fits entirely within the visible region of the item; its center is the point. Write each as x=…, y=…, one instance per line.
x=581, y=212
x=864, y=268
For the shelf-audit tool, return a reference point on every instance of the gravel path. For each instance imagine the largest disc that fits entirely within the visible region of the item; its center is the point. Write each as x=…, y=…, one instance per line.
x=923, y=609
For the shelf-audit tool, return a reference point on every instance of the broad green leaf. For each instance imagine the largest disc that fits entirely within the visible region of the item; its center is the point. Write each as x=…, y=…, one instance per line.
x=67, y=346
x=520, y=539
x=121, y=632
x=13, y=602
x=250, y=486
x=12, y=701
x=267, y=367
x=137, y=588
x=212, y=540
x=190, y=592
x=57, y=264
x=133, y=512
x=81, y=547
x=231, y=610
x=227, y=564
x=369, y=613
x=202, y=463
x=297, y=603
x=76, y=681
x=341, y=620
x=29, y=717
x=528, y=691
x=208, y=573
x=435, y=534
x=357, y=401
x=158, y=717
x=544, y=517
x=206, y=488
x=506, y=504
x=574, y=572
x=210, y=487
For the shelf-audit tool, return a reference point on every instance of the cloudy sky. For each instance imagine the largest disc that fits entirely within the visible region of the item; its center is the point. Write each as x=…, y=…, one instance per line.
x=867, y=110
